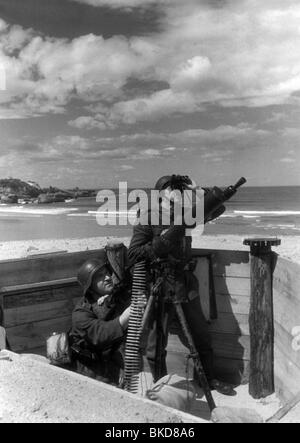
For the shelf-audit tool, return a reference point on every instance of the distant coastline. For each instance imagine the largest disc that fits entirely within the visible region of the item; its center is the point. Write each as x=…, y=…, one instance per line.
x=16, y=191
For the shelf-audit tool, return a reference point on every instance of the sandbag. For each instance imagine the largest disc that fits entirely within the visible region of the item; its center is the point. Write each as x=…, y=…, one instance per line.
x=58, y=349
x=173, y=391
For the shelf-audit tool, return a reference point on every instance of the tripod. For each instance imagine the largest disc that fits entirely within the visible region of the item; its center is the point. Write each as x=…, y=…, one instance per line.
x=156, y=309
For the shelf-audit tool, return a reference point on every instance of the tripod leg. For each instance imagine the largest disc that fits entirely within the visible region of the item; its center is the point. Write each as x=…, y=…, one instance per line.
x=154, y=309
x=159, y=352
x=146, y=322
x=195, y=356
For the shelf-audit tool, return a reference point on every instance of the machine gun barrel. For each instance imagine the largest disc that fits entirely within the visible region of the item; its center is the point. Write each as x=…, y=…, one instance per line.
x=215, y=198
x=231, y=190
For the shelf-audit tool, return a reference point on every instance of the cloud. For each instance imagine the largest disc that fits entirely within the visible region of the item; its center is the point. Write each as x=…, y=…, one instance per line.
x=2, y=77
x=45, y=74
x=191, y=73
x=78, y=149
x=125, y=167
x=212, y=144
x=158, y=105
x=231, y=53
x=118, y=4
x=287, y=160
x=203, y=153
x=89, y=122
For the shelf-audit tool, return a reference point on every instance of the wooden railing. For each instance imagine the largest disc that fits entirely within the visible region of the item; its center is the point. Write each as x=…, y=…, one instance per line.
x=38, y=296
x=230, y=331
x=286, y=300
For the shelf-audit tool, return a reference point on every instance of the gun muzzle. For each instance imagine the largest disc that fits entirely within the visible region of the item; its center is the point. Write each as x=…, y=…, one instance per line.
x=240, y=183
x=231, y=190
x=215, y=198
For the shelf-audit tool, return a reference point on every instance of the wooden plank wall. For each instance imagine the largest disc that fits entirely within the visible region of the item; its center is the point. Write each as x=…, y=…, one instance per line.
x=286, y=296
x=38, y=295
x=230, y=332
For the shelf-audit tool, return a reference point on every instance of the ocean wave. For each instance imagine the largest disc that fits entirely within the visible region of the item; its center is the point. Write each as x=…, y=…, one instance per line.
x=239, y=215
x=276, y=213
x=81, y=214
x=35, y=211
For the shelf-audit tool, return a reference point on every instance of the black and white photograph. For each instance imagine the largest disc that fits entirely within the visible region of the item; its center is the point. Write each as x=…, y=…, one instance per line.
x=149, y=214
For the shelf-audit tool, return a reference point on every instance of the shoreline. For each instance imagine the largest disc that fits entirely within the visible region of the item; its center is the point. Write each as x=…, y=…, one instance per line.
x=289, y=248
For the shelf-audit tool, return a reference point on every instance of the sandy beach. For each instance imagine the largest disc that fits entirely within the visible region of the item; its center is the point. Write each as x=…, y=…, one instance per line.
x=289, y=248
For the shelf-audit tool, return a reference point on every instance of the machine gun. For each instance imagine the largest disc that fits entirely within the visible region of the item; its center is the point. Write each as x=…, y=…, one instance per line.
x=214, y=199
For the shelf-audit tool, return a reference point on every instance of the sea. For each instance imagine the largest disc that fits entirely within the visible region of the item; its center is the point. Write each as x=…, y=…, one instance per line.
x=259, y=211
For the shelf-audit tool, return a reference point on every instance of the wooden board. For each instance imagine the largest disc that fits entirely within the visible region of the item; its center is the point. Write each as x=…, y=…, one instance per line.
x=30, y=287
x=287, y=376
x=227, y=369
x=233, y=304
x=39, y=269
x=283, y=341
x=286, y=299
x=227, y=263
x=224, y=345
x=231, y=370
x=286, y=309
x=232, y=286
x=228, y=323
x=231, y=346
x=34, y=335
x=39, y=312
x=47, y=295
x=287, y=277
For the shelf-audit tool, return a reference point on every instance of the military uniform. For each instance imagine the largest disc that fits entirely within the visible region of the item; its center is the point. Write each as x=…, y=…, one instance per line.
x=97, y=336
x=171, y=245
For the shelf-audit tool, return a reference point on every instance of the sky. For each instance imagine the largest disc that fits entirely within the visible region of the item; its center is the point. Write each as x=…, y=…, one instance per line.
x=94, y=92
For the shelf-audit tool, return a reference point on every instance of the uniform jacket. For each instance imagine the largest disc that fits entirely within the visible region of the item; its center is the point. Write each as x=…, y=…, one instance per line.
x=168, y=243
x=97, y=328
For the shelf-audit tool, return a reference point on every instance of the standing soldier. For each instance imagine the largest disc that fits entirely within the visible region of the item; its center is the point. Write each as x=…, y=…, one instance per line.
x=170, y=245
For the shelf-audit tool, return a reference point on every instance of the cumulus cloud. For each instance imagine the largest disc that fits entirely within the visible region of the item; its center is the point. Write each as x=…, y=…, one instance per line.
x=2, y=77
x=213, y=144
x=118, y=4
x=149, y=108
x=45, y=74
x=76, y=149
x=126, y=167
x=287, y=160
x=231, y=53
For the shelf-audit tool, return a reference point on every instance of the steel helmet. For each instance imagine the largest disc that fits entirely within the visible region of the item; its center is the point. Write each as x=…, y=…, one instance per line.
x=175, y=181
x=87, y=272
x=163, y=182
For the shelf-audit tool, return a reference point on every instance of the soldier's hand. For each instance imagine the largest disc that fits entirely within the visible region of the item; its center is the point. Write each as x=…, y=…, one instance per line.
x=124, y=318
x=142, y=300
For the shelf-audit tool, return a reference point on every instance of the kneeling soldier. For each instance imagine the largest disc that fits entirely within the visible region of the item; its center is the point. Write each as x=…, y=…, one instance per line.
x=99, y=323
